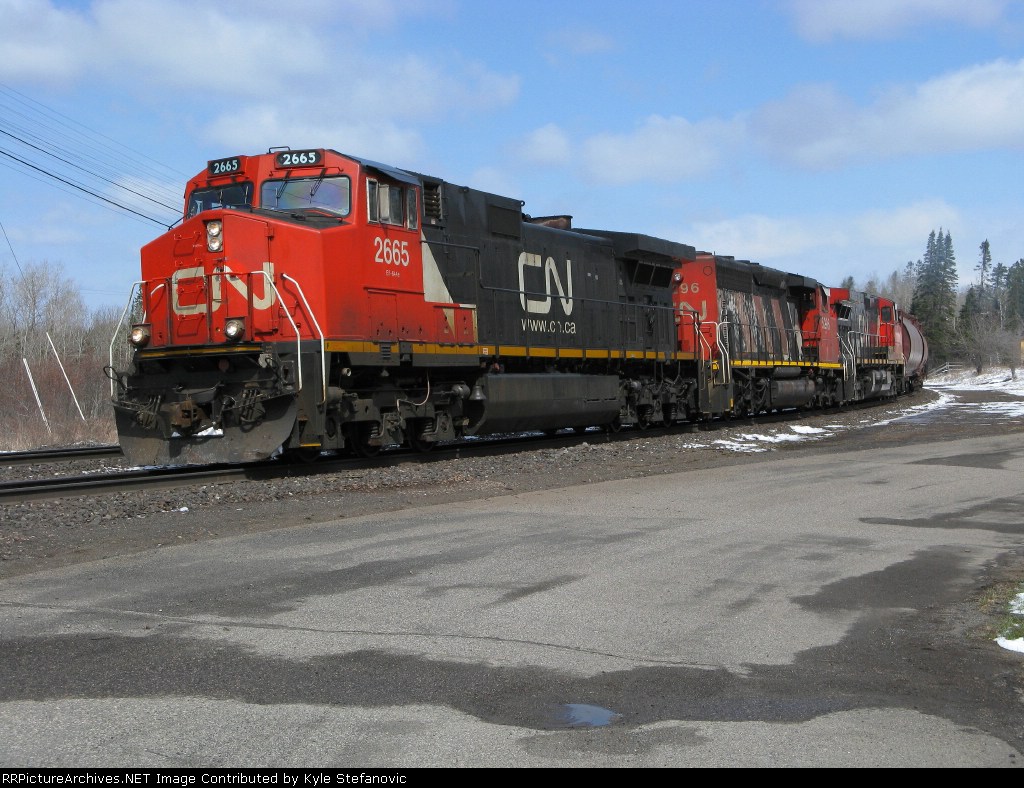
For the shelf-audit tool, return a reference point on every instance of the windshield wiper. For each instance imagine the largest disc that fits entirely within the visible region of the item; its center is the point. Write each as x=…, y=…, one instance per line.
x=316, y=184
x=281, y=189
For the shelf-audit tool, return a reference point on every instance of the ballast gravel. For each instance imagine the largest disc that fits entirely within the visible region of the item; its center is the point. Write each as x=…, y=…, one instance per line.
x=43, y=534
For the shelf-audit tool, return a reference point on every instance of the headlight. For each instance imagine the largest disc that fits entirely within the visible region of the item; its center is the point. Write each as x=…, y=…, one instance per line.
x=214, y=237
x=234, y=329
x=139, y=336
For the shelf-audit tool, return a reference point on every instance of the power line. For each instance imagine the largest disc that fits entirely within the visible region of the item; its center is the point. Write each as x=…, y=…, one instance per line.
x=78, y=167
x=80, y=187
x=46, y=144
x=12, y=249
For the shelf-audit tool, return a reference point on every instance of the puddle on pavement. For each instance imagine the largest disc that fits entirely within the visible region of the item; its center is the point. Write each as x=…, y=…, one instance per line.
x=582, y=715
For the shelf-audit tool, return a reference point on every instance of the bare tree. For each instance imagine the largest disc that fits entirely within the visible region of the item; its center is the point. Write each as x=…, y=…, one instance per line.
x=46, y=330
x=983, y=342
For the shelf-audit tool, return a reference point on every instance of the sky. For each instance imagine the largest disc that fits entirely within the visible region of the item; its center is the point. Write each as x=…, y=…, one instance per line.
x=822, y=137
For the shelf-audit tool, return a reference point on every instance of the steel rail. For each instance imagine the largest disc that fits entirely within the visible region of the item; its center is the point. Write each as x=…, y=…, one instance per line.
x=59, y=455
x=13, y=492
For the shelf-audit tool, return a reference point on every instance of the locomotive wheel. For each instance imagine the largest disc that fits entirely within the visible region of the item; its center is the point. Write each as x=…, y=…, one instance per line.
x=615, y=425
x=363, y=449
x=643, y=418
x=416, y=441
x=360, y=441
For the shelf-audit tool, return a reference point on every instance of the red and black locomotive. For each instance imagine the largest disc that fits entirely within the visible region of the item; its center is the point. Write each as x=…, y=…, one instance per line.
x=314, y=301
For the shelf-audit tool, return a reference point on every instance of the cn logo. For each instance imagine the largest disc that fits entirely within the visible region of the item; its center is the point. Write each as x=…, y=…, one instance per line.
x=702, y=313
x=543, y=306
x=188, y=289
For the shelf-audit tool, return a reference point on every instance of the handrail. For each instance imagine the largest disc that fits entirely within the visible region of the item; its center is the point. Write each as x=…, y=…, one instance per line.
x=295, y=328
x=323, y=351
x=117, y=330
x=849, y=357
x=797, y=341
x=145, y=312
x=280, y=299
x=723, y=349
x=769, y=343
x=703, y=340
x=147, y=300
x=867, y=340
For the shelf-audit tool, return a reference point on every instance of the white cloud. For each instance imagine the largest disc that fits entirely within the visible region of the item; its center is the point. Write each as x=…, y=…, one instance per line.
x=358, y=14
x=257, y=50
x=152, y=42
x=822, y=20
x=40, y=43
x=546, y=146
x=414, y=89
x=977, y=108
x=659, y=149
x=758, y=237
x=494, y=180
x=580, y=42
x=169, y=44
x=259, y=127
x=892, y=236
x=906, y=226
x=318, y=87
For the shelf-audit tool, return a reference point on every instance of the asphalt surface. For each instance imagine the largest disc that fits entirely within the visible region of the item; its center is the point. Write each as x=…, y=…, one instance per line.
x=813, y=611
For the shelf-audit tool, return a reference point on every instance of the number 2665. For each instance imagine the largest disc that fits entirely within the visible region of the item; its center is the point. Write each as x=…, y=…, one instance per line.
x=391, y=252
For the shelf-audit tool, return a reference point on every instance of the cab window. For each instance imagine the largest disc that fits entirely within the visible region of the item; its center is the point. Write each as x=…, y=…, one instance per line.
x=233, y=195
x=388, y=203
x=332, y=194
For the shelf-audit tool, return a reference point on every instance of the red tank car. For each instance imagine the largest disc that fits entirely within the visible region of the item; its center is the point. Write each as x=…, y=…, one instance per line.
x=314, y=301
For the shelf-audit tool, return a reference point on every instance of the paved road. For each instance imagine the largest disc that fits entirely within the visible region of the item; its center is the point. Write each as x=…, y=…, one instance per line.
x=813, y=610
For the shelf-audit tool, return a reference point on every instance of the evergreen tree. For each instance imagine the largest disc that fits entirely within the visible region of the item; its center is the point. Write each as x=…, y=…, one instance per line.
x=950, y=276
x=998, y=277
x=934, y=301
x=1013, y=317
x=984, y=333
x=984, y=266
x=972, y=306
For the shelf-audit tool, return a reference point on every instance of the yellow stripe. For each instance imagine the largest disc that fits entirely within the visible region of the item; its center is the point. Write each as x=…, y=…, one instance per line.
x=358, y=346
x=748, y=363
x=340, y=346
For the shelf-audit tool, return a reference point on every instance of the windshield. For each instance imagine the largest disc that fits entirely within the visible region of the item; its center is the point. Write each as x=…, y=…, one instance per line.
x=235, y=195
x=329, y=194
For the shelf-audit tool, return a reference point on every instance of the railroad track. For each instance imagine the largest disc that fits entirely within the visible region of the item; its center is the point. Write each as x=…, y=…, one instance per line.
x=146, y=478
x=80, y=485
x=59, y=455
x=95, y=484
